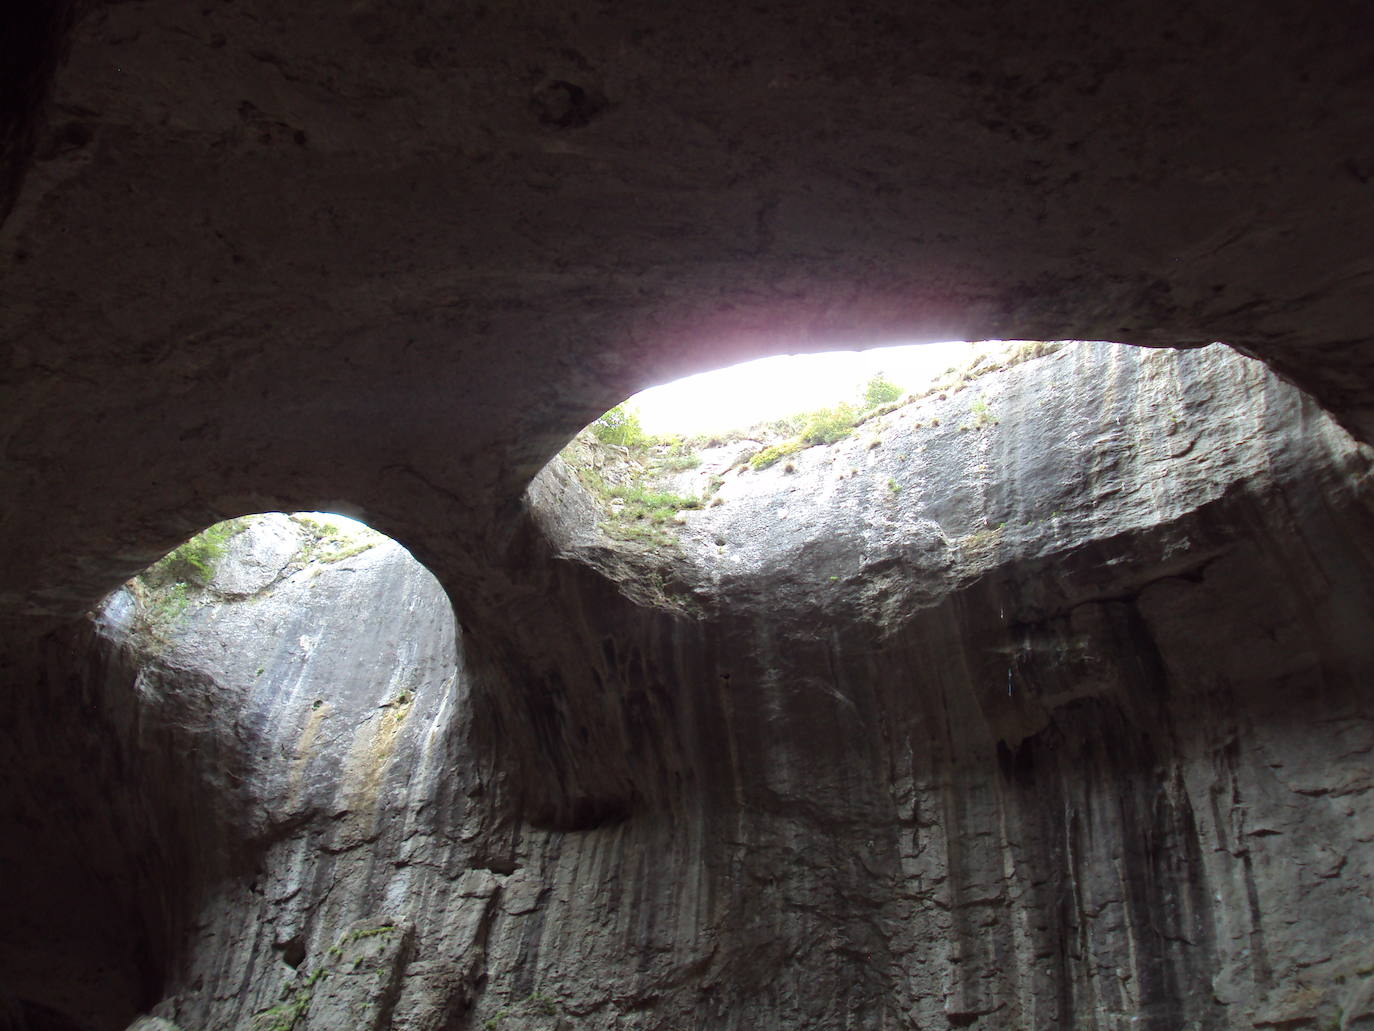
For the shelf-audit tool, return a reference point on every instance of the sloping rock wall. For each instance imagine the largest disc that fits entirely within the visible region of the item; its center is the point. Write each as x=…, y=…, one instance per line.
x=1070, y=730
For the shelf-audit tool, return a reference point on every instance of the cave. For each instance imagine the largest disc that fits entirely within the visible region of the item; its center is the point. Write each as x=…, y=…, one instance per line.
x=1049, y=713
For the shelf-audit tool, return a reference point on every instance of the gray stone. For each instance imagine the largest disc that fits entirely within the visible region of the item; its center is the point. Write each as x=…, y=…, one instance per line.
x=387, y=259
x=986, y=751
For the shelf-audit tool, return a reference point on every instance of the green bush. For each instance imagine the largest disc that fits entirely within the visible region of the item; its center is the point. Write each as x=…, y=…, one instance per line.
x=788, y=425
x=829, y=425
x=681, y=463
x=195, y=561
x=620, y=426
x=773, y=453
x=880, y=391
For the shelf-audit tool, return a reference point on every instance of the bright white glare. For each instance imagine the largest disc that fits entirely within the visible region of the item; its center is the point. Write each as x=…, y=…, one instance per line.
x=770, y=388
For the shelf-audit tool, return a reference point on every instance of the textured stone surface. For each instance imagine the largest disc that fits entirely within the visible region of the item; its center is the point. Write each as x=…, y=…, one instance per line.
x=393, y=257
x=1108, y=766
x=386, y=260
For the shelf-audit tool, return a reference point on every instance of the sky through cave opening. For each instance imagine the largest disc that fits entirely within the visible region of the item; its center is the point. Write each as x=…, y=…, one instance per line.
x=871, y=440
x=778, y=386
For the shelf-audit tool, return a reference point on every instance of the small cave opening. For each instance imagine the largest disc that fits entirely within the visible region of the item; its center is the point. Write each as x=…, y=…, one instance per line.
x=303, y=621
x=278, y=678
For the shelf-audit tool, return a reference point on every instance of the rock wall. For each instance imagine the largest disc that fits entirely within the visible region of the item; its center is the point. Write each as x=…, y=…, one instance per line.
x=290, y=257
x=1050, y=709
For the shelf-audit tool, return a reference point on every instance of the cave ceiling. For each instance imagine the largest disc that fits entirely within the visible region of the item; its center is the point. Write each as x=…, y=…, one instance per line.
x=386, y=257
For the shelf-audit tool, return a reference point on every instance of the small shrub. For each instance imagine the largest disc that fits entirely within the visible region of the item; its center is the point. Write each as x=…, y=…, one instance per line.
x=679, y=459
x=880, y=391
x=620, y=426
x=828, y=425
x=652, y=506
x=771, y=454
x=982, y=415
x=788, y=425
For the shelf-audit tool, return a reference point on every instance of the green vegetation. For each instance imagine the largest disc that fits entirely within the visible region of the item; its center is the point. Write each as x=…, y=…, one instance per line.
x=620, y=426
x=650, y=505
x=880, y=391
x=287, y=1014
x=981, y=415
x=162, y=606
x=166, y=589
x=823, y=426
x=326, y=542
x=372, y=932
x=163, y=590
x=679, y=458
x=894, y=486
x=196, y=560
x=636, y=512
x=774, y=452
x=827, y=425
x=983, y=539
x=630, y=477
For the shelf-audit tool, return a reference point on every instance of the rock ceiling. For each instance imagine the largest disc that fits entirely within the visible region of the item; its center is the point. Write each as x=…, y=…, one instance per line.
x=387, y=258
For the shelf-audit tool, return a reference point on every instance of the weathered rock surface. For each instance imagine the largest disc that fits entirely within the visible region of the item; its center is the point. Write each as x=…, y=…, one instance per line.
x=1079, y=735
x=275, y=257
x=386, y=260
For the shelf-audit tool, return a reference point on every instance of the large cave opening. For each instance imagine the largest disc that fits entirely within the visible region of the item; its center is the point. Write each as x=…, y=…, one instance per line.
x=1022, y=448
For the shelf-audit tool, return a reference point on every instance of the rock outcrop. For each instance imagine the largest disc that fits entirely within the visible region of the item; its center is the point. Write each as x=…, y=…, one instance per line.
x=1041, y=704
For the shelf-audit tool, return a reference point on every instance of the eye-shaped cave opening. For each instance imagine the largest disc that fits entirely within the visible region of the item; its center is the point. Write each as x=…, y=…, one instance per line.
x=1048, y=573
x=324, y=640
x=318, y=606
x=919, y=460
x=276, y=679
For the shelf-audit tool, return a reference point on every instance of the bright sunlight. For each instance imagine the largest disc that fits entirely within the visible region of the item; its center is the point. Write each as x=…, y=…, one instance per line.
x=770, y=388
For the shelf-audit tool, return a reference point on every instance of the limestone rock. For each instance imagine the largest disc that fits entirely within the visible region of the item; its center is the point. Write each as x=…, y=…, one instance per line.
x=1029, y=759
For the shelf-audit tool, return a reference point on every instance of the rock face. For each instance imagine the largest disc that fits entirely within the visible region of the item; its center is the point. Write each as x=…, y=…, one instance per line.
x=1088, y=744
x=1050, y=709
x=293, y=258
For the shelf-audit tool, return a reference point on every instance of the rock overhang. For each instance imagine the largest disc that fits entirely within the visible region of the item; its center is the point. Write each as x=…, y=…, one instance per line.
x=403, y=268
